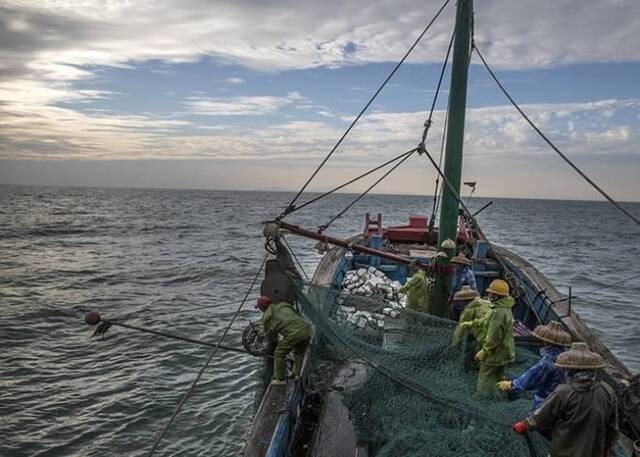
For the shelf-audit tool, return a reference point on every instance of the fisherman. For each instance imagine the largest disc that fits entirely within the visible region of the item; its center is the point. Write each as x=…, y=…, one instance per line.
x=497, y=345
x=416, y=289
x=281, y=321
x=581, y=415
x=474, y=308
x=463, y=275
x=461, y=300
x=544, y=376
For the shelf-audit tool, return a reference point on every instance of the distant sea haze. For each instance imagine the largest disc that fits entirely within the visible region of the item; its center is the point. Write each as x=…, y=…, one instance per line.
x=151, y=256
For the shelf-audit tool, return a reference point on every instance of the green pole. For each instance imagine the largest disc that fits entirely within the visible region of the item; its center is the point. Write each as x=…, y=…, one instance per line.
x=453, y=151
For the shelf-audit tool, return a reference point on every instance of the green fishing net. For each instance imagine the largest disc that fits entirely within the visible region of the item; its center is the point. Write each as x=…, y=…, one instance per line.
x=417, y=397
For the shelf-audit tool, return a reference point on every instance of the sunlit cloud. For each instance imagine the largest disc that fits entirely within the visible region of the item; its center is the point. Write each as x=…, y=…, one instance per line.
x=239, y=106
x=54, y=104
x=234, y=80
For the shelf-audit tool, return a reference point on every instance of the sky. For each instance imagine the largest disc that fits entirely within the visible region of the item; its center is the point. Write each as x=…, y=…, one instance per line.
x=252, y=94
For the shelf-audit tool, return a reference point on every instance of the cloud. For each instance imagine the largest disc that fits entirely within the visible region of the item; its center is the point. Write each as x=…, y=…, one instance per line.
x=239, y=106
x=234, y=80
x=61, y=39
x=48, y=47
x=31, y=128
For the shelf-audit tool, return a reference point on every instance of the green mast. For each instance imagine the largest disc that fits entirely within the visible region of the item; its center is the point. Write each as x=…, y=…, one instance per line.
x=453, y=151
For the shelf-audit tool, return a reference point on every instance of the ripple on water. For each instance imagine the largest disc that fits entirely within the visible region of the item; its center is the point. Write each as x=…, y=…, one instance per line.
x=152, y=256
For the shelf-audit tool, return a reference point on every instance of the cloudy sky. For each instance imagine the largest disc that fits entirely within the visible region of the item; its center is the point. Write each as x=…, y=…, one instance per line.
x=250, y=94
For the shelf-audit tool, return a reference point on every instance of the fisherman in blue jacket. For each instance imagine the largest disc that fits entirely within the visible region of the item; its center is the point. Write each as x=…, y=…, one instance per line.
x=463, y=275
x=544, y=376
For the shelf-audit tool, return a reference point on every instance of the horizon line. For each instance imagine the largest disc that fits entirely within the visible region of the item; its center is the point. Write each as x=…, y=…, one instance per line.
x=208, y=189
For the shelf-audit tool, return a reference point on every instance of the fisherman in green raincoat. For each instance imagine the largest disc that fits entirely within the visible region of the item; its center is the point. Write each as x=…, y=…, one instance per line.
x=281, y=320
x=497, y=348
x=475, y=308
x=416, y=289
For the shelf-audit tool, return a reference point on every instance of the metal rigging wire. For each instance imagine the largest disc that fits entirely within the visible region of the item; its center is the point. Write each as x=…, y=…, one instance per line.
x=214, y=351
x=550, y=143
x=293, y=254
x=353, y=123
x=357, y=178
x=427, y=124
x=361, y=196
x=437, y=194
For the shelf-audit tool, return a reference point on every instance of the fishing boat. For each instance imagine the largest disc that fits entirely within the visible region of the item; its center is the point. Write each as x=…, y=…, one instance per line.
x=360, y=369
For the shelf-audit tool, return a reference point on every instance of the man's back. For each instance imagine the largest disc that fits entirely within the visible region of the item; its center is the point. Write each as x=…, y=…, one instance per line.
x=281, y=318
x=581, y=415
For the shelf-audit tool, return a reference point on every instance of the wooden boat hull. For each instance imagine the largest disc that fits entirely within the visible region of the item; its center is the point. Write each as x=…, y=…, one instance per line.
x=334, y=436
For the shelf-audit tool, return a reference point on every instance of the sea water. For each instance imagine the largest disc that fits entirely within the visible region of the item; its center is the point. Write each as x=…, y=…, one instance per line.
x=154, y=258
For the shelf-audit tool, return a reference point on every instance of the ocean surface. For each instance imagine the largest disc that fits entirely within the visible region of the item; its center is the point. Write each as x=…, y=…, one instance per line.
x=152, y=257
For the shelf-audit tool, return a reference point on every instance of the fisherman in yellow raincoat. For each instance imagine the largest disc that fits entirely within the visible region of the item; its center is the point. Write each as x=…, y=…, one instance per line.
x=497, y=348
x=281, y=320
x=474, y=308
x=416, y=289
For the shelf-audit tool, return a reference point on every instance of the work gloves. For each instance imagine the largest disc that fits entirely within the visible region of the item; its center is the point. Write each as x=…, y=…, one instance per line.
x=480, y=355
x=521, y=427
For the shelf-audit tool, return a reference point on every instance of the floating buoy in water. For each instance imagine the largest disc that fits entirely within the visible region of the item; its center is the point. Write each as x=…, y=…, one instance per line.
x=92, y=318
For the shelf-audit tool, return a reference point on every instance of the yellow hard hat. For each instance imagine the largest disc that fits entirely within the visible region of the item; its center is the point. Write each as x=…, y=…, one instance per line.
x=499, y=287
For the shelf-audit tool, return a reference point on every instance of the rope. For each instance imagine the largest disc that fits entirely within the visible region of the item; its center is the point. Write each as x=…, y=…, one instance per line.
x=206, y=364
x=295, y=257
x=176, y=337
x=353, y=123
x=530, y=446
x=357, y=178
x=437, y=195
x=427, y=123
x=191, y=309
x=553, y=146
x=456, y=195
x=361, y=196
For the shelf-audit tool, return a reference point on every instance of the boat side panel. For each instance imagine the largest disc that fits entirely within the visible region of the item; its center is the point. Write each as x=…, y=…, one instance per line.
x=567, y=316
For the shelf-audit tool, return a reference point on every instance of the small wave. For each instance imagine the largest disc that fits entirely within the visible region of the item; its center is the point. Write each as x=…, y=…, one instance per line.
x=168, y=228
x=48, y=232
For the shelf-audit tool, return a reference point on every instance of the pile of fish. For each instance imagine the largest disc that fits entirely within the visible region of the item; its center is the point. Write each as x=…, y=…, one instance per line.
x=374, y=284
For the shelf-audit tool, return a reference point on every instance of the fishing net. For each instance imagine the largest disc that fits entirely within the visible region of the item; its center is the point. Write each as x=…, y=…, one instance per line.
x=417, y=398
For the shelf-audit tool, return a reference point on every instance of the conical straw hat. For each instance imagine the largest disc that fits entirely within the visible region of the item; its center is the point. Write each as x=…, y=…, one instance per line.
x=553, y=333
x=579, y=357
x=462, y=259
x=466, y=293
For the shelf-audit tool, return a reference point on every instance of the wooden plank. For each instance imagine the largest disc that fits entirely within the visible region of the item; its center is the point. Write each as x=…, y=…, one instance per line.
x=422, y=253
x=265, y=421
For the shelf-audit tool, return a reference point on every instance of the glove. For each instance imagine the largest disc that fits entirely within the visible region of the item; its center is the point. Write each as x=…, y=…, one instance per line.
x=521, y=427
x=504, y=385
x=480, y=355
x=466, y=325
